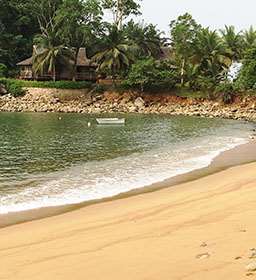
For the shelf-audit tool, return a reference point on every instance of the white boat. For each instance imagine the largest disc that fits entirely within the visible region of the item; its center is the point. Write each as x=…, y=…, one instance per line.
x=105, y=121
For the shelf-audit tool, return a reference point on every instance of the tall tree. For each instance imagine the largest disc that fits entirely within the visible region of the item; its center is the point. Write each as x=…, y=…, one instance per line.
x=233, y=41
x=121, y=9
x=79, y=22
x=184, y=31
x=249, y=37
x=211, y=54
x=148, y=39
x=18, y=25
x=45, y=12
x=47, y=57
x=117, y=55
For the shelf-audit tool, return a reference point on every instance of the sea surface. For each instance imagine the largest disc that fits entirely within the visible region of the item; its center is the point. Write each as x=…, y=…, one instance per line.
x=57, y=159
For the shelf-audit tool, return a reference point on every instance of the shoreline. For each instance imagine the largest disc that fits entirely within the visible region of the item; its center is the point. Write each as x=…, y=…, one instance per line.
x=82, y=101
x=239, y=155
x=189, y=232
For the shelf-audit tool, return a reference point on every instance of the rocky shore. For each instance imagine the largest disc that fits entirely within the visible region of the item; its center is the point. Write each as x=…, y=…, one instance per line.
x=80, y=101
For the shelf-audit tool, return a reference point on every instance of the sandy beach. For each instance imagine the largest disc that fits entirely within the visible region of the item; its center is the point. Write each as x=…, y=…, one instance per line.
x=203, y=229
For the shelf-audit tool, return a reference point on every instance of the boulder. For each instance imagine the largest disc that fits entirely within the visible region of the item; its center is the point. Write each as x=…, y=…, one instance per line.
x=139, y=103
x=3, y=90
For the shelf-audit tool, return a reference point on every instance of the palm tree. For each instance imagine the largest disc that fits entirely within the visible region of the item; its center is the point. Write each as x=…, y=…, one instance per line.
x=249, y=38
x=48, y=54
x=147, y=38
x=233, y=41
x=117, y=55
x=211, y=54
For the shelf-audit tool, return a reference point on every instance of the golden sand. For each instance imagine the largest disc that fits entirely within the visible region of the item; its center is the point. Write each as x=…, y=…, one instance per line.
x=199, y=230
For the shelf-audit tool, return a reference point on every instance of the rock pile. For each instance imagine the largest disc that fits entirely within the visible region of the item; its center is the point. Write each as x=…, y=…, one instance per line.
x=130, y=102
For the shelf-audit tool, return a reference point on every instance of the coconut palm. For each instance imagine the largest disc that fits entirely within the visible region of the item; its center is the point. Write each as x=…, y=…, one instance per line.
x=233, y=41
x=117, y=55
x=147, y=38
x=48, y=54
x=211, y=53
x=249, y=38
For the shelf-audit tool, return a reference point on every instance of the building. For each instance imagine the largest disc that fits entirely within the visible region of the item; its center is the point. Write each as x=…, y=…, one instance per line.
x=85, y=70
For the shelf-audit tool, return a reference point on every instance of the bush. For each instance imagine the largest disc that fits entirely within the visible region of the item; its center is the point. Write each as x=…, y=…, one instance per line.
x=150, y=75
x=201, y=83
x=13, y=87
x=3, y=70
x=52, y=84
x=226, y=91
x=247, y=77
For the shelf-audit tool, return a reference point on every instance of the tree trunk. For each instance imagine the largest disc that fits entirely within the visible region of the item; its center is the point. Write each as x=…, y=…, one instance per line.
x=119, y=16
x=182, y=71
x=74, y=70
x=54, y=73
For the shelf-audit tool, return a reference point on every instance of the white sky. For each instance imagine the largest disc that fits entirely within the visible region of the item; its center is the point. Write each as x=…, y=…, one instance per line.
x=213, y=13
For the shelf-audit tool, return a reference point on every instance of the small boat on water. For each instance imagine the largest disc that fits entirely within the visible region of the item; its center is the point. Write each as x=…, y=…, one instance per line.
x=110, y=121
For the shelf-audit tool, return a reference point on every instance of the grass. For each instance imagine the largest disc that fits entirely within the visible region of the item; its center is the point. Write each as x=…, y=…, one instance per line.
x=52, y=84
x=192, y=94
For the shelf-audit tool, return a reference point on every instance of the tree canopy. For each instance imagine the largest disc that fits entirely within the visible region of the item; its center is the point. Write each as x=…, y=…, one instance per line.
x=199, y=56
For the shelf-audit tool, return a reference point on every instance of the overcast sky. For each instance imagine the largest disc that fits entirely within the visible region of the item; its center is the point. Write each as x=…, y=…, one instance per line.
x=213, y=13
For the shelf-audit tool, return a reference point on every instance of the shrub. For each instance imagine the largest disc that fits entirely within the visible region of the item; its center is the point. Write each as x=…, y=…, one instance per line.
x=247, y=77
x=57, y=84
x=3, y=70
x=13, y=87
x=201, y=83
x=150, y=75
x=226, y=91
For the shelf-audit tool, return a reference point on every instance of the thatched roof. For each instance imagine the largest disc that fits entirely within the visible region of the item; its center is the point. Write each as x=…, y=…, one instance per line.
x=82, y=60
x=26, y=62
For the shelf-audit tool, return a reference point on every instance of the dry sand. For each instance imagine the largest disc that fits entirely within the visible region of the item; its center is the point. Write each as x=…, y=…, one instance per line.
x=199, y=230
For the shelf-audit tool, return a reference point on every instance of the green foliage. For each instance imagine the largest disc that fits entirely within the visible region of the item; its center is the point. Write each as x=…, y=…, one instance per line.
x=99, y=88
x=52, y=84
x=201, y=83
x=149, y=75
x=79, y=22
x=247, y=76
x=233, y=41
x=18, y=25
x=48, y=57
x=226, y=91
x=146, y=37
x=121, y=9
x=3, y=70
x=184, y=32
x=249, y=39
x=13, y=87
x=117, y=55
x=211, y=54
x=59, y=28
x=225, y=87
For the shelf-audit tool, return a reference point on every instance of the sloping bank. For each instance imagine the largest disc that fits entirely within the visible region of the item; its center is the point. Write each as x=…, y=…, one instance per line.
x=81, y=101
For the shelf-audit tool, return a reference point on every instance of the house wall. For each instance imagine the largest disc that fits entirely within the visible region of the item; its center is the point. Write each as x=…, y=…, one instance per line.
x=26, y=73
x=82, y=74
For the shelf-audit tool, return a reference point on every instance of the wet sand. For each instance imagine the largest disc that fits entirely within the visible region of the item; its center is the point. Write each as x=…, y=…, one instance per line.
x=203, y=229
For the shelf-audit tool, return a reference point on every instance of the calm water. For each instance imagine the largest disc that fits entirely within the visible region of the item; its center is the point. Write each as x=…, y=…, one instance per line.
x=56, y=159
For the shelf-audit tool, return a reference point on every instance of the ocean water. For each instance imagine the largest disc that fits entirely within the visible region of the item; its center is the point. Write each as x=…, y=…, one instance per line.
x=56, y=159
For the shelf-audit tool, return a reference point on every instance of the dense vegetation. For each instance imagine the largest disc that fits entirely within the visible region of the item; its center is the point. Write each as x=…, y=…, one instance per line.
x=197, y=59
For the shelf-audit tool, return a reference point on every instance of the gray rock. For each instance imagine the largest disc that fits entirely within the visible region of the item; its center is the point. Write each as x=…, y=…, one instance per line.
x=139, y=102
x=3, y=90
